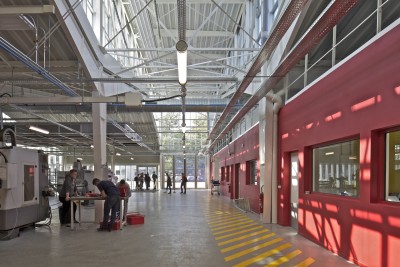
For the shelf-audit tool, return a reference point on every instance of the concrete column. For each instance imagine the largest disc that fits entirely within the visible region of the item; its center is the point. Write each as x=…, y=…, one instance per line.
x=334, y=36
x=266, y=160
x=99, y=117
x=379, y=16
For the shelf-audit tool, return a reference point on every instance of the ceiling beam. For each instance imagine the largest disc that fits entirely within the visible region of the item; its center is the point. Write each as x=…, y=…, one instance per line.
x=173, y=49
x=190, y=33
x=26, y=10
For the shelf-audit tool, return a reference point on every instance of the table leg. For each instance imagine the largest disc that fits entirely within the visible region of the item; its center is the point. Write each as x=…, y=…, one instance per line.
x=72, y=214
x=79, y=207
x=121, y=213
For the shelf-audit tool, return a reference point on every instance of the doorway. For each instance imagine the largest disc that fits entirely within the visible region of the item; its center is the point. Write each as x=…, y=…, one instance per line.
x=294, y=189
x=235, y=181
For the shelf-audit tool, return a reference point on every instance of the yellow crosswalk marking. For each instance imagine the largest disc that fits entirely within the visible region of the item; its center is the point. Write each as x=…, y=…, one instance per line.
x=249, y=250
x=230, y=225
x=238, y=232
x=242, y=237
x=284, y=259
x=262, y=256
x=246, y=243
x=306, y=263
x=235, y=228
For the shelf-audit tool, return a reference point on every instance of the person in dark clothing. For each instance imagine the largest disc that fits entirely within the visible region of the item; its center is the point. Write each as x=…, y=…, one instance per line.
x=110, y=191
x=147, y=181
x=183, y=183
x=155, y=177
x=68, y=190
x=169, y=183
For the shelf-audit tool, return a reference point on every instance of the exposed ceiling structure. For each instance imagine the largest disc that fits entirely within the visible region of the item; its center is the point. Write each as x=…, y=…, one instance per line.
x=60, y=48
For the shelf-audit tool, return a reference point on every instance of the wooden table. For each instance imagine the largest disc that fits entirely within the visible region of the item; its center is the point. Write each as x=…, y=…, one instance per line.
x=79, y=199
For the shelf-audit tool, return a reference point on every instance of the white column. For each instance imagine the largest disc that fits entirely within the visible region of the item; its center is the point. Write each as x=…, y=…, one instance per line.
x=99, y=117
x=266, y=165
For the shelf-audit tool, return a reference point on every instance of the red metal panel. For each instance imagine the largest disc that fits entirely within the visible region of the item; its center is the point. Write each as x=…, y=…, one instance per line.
x=360, y=99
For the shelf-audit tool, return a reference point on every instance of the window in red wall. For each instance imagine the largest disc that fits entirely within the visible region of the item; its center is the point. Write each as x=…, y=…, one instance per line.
x=251, y=172
x=392, y=166
x=227, y=173
x=222, y=173
x=336, y=168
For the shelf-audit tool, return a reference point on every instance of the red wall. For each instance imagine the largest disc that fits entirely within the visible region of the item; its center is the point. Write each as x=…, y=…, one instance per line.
x=366, y=229
x=243, y=149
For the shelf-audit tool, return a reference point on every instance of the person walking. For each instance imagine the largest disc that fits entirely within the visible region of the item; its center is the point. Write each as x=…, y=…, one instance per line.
x=154, y=177
x=68, y=190
x=183, y=184
x=110, y=191
x=147, y=181
x=169, y=183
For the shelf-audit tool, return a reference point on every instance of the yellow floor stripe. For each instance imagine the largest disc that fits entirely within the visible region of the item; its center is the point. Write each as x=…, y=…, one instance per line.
x=239, y=232
x=235, y=228
x=229, y=222
x=306, y=263
x=263, y=255
x=246, y=243
x=284, y=259
x=219, y=214
x=221, y=219
x=252, y=249
x=242, y=237
x=213, y=215
x=231, y=225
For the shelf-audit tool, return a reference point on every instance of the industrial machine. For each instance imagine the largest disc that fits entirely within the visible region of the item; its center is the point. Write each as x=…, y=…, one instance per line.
x=24, y=189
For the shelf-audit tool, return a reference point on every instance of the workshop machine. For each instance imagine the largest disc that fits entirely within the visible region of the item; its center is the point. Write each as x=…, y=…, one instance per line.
x=24, y=187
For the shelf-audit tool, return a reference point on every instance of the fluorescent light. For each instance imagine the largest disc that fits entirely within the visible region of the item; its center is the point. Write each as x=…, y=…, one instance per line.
x=352, y=157
x=118, y=154
x=329, y=153
x=132, y=158
x=183, y=129
x=183, y=146
x=79, y=158
x=91, y=146
x=181, y=53
x=37, y=129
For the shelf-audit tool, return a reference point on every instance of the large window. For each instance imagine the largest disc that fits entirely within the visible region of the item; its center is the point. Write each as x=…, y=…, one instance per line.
x=336, y=168
x=251, y=172
x=393, y=166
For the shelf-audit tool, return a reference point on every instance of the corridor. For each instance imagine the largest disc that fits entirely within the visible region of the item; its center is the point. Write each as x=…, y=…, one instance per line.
x=195, y=229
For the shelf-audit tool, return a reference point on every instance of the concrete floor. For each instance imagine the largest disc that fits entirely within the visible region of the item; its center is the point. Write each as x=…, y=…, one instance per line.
x=195, y=229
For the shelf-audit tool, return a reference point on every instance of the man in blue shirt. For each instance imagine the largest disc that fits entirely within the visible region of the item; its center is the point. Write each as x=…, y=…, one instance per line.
x=111, y=193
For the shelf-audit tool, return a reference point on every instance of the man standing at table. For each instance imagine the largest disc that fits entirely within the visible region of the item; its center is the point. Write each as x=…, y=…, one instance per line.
x=68, y=190
x=111, y=193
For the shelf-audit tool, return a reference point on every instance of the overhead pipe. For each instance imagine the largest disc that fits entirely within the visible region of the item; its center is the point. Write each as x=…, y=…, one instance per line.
x=290, y=14
x=331, y=16
x=35, y=67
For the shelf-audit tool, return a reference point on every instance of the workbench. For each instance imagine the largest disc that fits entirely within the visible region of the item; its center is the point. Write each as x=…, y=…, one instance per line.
x=79, y=199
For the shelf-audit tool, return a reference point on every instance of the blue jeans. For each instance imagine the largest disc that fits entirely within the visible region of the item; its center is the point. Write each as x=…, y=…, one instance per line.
x=111, y=203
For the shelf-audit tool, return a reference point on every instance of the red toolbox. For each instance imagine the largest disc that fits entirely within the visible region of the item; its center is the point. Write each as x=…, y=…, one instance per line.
x=135, y=219
x=116, y=226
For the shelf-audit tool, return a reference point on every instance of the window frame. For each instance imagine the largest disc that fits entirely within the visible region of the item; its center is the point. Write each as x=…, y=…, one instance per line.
x=339, y=186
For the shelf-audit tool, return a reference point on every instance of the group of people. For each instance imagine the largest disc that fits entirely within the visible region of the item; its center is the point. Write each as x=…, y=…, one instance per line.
x=107, y=189
x=111, y=192
x=183, y=183
x=142, y=179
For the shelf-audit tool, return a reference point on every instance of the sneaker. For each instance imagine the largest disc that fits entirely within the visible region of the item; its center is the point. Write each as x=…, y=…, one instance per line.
x=169, y=193
x=101, y=229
